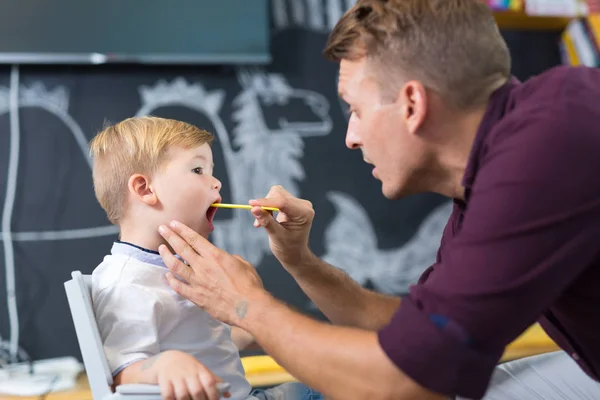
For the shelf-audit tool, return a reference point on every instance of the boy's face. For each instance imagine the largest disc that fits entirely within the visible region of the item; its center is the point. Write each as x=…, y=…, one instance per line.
x=186, y=188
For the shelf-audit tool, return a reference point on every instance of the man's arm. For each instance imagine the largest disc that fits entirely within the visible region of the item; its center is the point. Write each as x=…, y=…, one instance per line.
x=340, y=298
x=337, y=295
x=340, y=362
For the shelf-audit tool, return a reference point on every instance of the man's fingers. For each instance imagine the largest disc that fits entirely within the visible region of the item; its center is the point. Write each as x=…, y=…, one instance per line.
x=275, y=198
x=181, y=288
x=237, y=256
x=174, y=264
x=200, y=244
x=289, y=205
x=265, y=219
x=178, y=244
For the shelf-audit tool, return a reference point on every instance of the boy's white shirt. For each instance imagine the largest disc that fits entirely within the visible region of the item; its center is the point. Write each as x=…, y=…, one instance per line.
x=139, y=316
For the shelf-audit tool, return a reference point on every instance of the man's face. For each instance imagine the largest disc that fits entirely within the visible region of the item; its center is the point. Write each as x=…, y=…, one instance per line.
x=383, y=131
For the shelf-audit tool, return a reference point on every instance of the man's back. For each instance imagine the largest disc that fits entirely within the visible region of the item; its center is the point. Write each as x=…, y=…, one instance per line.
x=573, y=320
x=563, y=105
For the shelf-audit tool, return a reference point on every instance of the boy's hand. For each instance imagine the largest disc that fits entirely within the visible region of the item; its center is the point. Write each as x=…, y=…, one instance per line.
x=182, y=377
x=179, y=375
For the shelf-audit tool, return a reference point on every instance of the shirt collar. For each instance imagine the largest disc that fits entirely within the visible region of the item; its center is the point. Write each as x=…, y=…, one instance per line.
x=137, y=252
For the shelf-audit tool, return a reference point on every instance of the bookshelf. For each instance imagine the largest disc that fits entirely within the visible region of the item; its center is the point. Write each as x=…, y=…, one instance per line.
x=577, y=21
x=518, y=20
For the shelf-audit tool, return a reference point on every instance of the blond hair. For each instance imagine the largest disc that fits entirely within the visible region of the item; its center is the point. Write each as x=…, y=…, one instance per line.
x=453, y=47
x=135, y=145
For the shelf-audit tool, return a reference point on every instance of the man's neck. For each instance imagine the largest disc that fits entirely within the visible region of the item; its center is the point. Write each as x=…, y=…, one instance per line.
x=454, y=152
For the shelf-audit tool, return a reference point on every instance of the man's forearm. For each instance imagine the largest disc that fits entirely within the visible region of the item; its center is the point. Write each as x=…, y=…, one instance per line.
x=340, y=362
x=340, y=298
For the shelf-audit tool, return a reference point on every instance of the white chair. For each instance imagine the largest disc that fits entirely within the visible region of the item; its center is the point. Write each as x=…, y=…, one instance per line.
x=78, y=291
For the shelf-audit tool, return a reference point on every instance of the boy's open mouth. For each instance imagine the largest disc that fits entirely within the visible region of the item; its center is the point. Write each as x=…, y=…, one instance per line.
x=210, y=213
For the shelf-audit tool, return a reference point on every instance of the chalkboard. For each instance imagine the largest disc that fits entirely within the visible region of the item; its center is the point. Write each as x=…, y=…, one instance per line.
x=53, y=224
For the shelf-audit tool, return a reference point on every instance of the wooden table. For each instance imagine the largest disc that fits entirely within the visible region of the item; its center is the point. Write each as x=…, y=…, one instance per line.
x=80, y=392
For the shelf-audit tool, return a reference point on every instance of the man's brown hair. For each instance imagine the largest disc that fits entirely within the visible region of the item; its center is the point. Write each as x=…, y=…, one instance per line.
x=453, y=47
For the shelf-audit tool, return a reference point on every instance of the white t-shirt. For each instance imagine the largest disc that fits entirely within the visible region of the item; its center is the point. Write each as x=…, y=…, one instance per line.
x=139, y=316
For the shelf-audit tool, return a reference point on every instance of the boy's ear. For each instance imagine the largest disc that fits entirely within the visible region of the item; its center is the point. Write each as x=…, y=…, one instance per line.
x=139, y=186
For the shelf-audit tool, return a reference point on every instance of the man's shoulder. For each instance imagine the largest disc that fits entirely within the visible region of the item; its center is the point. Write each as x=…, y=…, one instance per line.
x=557, y=107
x=568, y=92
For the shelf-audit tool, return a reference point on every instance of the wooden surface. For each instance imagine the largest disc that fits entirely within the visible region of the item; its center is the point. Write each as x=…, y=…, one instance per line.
x=80, y=392
x=263, y=371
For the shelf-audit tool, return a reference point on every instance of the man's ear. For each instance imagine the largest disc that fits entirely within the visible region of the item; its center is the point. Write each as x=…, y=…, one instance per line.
x=140, y=187
x=413, y=97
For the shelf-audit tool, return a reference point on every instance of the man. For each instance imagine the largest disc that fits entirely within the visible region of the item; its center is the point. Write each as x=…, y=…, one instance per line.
x=434, y=109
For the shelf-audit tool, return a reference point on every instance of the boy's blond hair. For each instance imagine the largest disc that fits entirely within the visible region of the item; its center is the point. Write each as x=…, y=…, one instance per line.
x=452, y=46
x=135, y=146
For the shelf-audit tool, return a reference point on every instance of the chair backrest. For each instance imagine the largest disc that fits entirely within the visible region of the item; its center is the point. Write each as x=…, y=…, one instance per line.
x=78, y=291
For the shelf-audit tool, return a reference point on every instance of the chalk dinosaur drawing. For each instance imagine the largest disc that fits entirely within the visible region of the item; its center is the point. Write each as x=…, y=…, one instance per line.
x=351, y=245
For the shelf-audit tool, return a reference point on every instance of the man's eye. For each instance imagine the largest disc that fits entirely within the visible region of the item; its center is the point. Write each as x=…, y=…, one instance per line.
x=197, y=171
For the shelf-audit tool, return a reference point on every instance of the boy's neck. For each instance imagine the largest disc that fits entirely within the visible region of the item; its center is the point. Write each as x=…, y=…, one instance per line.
x=145, y=236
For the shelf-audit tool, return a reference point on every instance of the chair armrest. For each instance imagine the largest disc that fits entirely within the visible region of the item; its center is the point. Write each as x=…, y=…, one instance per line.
x=143, y=389
x=138, y=388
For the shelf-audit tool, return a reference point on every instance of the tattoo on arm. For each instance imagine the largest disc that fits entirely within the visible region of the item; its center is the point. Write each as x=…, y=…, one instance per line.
x=241, y=308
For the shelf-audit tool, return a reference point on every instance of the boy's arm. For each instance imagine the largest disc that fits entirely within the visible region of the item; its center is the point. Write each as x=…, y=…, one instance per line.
x=142, y=371
x=128, y=317
x=179, y=375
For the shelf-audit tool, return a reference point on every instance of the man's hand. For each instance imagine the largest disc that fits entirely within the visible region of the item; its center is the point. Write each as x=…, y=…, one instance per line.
x=288, y=234
x=221, y=284
x=179, y=375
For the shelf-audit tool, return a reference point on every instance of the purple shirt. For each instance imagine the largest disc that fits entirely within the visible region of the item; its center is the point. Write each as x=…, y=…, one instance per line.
x=523, y=247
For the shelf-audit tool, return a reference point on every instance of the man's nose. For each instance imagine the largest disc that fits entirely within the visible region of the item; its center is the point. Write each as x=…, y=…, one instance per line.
x=352, y=138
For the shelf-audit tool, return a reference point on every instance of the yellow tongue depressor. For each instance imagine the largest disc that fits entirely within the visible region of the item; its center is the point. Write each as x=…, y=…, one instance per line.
x=243, y=206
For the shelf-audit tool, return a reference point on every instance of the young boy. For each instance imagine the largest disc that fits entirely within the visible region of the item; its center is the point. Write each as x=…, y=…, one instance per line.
x=148, y=171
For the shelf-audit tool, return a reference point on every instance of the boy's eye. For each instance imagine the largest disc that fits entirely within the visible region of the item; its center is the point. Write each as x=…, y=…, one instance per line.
x=197, y=171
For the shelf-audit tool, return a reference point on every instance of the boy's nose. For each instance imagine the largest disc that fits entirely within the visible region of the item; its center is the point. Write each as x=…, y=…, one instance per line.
x=217, y=184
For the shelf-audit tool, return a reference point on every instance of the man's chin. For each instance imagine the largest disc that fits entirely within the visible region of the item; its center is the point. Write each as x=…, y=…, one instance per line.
x=396, y=192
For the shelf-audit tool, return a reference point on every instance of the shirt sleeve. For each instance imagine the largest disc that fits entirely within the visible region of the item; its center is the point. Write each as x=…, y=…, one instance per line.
x=530, y=228
x=128, y=320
